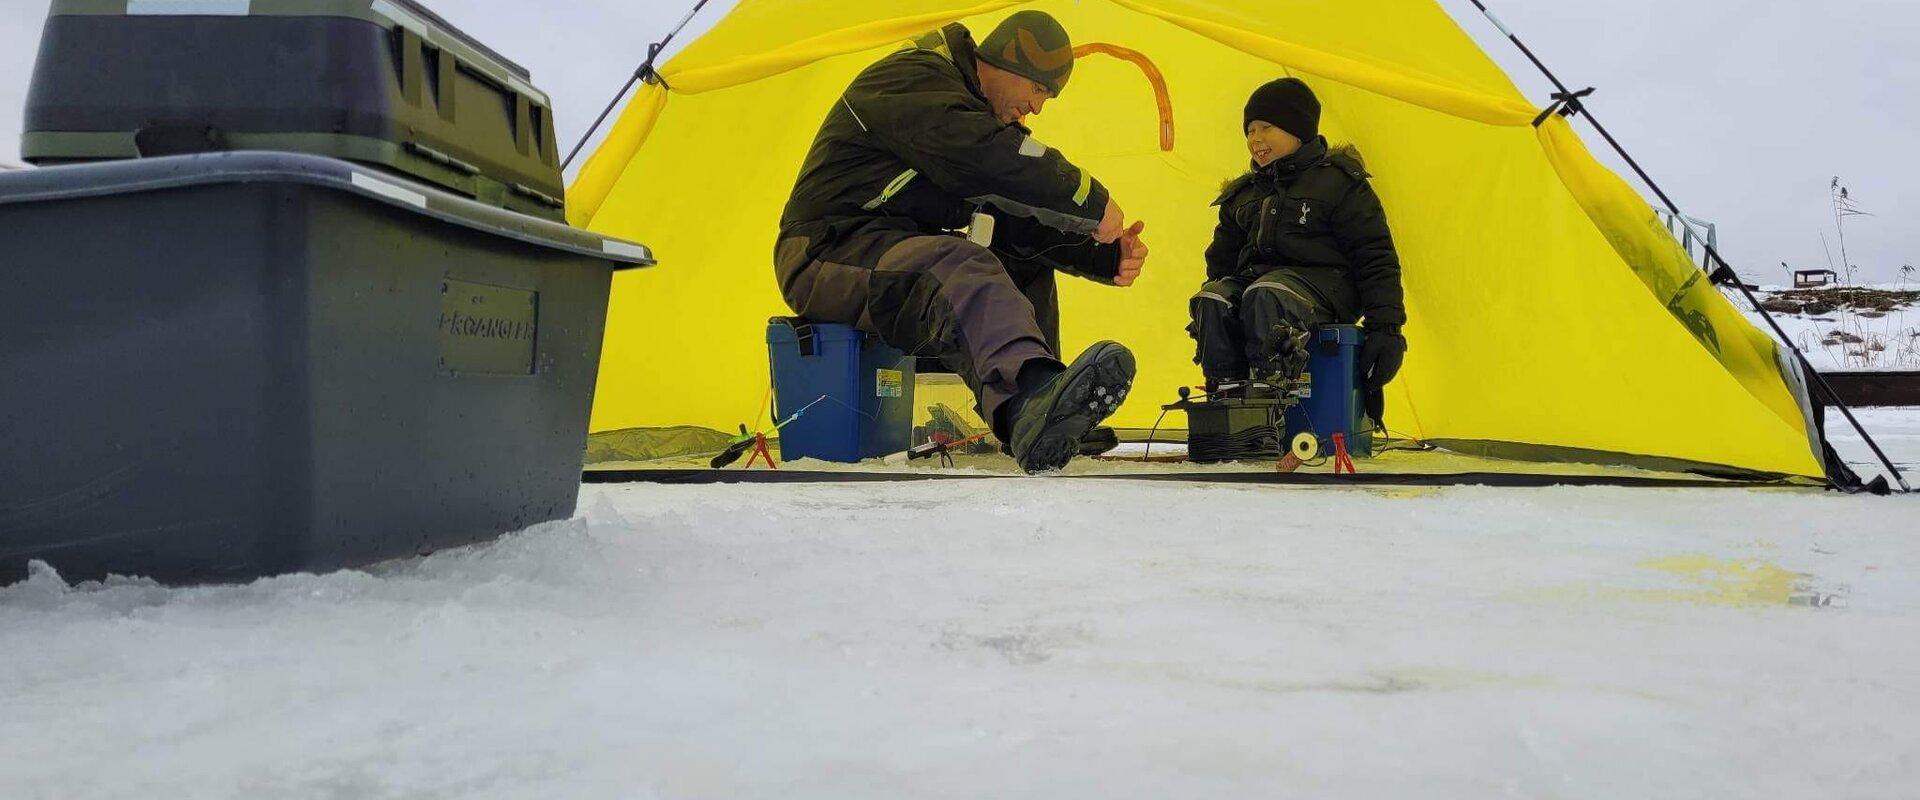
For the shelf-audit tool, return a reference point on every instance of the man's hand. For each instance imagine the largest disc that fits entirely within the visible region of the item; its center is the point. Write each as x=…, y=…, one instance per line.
x=1112, y=224
x=1133, y=255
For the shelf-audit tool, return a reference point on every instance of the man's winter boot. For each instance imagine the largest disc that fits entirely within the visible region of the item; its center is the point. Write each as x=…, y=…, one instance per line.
x=1288, y=354
x=1050, y=423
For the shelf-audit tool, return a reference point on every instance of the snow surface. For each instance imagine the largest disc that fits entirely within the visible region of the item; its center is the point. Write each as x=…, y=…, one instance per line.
x=1896, y=333
x=1019, y=638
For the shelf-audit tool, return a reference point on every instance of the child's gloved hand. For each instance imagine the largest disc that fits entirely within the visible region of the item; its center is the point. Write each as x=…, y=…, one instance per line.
x=1380, y=357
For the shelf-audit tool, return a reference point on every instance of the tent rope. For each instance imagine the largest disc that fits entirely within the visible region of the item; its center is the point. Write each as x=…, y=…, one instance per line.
x=1724, y=273
x=645, y=72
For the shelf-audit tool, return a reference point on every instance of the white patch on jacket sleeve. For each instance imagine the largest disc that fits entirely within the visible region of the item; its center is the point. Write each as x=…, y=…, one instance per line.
x=1032, y=148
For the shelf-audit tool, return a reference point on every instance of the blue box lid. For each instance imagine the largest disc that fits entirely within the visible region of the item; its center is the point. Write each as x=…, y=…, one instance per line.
x=788, y=329
x=1340, y=334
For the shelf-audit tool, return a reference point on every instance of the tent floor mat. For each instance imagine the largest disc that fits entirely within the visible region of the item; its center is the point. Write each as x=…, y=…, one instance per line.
x=683, y=477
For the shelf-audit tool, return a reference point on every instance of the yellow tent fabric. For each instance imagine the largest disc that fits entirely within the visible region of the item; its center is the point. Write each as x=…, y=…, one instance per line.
x=1548, y=305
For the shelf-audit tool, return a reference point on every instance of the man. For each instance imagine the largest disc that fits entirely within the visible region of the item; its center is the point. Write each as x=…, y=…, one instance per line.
x=1302, y=242
x=929, y=141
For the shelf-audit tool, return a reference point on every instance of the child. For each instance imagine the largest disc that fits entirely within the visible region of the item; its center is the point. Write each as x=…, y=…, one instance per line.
x=1302, y=242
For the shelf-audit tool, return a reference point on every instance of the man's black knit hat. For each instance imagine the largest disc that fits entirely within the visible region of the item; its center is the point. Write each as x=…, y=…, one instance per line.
x=1286, y=104
x=1032, y=44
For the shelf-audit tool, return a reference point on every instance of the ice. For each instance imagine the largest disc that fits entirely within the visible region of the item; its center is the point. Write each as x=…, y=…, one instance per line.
x=1895, y=430
x=1016, y=638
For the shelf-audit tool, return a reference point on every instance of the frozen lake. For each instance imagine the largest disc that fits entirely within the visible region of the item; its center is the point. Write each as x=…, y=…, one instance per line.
x=1019, y=638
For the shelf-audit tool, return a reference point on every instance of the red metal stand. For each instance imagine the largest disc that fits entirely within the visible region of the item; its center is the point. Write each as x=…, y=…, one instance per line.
x=1342, y=461
x=760, y=451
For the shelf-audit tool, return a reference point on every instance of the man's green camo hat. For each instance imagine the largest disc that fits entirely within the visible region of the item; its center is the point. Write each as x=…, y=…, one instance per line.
x=1031, y=44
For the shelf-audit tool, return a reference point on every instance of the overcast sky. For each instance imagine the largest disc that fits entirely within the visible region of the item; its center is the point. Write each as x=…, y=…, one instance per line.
x=1743, y=109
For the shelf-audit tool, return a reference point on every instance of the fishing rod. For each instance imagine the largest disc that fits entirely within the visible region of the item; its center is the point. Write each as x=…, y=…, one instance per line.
x=739, y=445
x=1569, y=103
x=644, y=72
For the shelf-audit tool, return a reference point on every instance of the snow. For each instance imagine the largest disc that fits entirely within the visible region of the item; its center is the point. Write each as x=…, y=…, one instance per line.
x=1019, y=638
x=1896, y=334
x=1894, y=286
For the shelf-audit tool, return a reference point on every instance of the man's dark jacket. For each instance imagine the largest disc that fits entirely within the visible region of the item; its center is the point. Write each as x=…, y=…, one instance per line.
x=914, y=146
x=1314, y=214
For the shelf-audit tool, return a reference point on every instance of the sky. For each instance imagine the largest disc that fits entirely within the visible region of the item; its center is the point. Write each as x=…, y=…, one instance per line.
x=1744, y=110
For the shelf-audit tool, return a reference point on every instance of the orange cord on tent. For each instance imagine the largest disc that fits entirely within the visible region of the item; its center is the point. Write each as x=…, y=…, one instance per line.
x=1146, y=65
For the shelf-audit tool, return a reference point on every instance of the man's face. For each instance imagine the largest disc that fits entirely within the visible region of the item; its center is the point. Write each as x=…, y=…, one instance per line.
x=1268, y=144
x=1013, y=97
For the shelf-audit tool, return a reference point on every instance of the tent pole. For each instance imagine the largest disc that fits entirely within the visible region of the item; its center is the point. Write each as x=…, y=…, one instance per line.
x=1712, y=254
x=639, y=74
x=1807, y=367
x=600, y=120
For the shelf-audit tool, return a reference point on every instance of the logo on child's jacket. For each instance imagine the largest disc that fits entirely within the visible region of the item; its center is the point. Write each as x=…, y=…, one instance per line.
x=1304, y=209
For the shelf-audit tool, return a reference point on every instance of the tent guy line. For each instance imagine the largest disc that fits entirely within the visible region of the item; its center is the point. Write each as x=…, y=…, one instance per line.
x=1724, y=275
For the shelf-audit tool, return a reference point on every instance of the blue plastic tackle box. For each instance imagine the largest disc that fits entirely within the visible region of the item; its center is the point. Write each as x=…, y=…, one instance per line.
x=1336, y=404
x=856, y=391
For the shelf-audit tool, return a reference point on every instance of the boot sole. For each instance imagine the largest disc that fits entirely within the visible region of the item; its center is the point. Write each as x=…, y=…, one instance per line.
x=1097, y=383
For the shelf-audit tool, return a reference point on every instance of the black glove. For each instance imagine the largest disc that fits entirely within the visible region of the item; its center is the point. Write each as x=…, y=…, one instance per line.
x=1380, y=357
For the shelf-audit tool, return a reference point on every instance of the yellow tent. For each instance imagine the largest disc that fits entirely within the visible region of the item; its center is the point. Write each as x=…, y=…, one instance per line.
x=1552, y=315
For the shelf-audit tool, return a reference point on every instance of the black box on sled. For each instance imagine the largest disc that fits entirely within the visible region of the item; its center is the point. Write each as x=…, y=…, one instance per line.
x=1234, y=430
